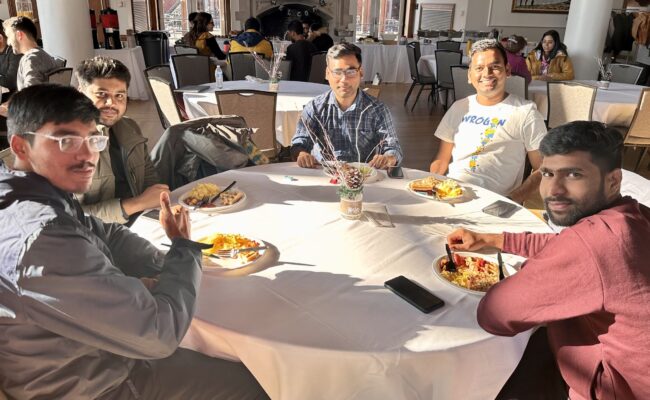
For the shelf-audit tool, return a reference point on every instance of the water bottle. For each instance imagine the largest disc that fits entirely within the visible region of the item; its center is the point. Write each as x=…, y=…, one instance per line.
x=218, y=77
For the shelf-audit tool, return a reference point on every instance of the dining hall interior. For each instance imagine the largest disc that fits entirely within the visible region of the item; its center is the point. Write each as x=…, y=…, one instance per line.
x=324, y=260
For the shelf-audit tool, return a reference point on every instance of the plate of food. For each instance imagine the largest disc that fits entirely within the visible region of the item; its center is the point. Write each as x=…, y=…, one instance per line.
x=231, y=241
x=475, y=273
x=196, y=198
x=436, y=189
x=369, y=172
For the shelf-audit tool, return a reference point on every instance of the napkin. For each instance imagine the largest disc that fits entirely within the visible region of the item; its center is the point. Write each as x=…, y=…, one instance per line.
x=378, y=215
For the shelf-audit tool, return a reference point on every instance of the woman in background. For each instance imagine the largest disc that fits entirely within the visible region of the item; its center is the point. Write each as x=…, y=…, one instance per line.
x=549, y=61
x=202, y=38
x=514, y=45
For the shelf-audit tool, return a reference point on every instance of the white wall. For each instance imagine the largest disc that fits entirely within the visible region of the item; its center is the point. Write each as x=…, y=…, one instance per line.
x=4, y=10
x=460, y=12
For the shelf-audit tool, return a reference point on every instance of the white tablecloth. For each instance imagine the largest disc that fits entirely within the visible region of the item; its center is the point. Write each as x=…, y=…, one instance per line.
x=314, y=321
x=427, y=64
x=134, y=61
x=292, y=97
x=389, y=60
x=614, y=106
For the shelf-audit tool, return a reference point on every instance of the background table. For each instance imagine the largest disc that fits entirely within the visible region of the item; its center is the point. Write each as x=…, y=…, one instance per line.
x=134, y=61
x=314, y=320
x=292, y=97
x=427, y=64
x=390, y=61
x=614, y=106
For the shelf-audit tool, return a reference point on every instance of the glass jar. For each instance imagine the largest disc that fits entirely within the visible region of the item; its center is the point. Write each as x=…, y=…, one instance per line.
x=351, y=207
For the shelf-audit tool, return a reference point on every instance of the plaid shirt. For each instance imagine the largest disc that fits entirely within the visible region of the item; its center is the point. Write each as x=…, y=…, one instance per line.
x=375, y=135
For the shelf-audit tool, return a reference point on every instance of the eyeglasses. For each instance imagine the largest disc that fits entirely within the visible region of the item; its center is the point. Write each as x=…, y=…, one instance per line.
x=71, y=144
x=349, y=73
x=116, y=97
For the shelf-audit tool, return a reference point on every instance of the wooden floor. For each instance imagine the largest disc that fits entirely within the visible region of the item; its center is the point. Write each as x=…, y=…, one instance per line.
x=414, y=128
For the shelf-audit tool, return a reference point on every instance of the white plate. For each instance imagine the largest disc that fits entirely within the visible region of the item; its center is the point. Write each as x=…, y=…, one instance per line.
x=508, y=270
x=219, y=207
x=212, y=263
x=426, y=195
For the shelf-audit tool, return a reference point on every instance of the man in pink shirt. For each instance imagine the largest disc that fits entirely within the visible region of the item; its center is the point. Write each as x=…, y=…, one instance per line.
x=590, y=284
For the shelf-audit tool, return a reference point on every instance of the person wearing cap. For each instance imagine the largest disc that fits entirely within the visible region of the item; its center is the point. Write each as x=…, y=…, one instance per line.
x=514, y=45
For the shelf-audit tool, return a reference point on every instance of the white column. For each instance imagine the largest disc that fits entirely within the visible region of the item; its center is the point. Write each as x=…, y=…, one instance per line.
x=65, y=28
x=586, y=29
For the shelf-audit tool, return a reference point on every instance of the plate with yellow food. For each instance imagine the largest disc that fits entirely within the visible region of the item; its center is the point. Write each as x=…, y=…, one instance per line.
x=230, y=241
x=436, y=189
x=475, y=273
x=197, y=198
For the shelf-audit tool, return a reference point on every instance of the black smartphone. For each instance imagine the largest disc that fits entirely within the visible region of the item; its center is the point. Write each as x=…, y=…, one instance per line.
x=501, y=209
x=153, y=214
x=415, y=294
x=395, y=172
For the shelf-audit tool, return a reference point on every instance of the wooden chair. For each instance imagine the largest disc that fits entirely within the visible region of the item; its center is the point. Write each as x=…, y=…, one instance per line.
x=516, y=84
x=258, y=110
x=163, y=94
x=161, y=71
x=638, y=135
x=191, y=69
x=569, y=101
x=62, y=76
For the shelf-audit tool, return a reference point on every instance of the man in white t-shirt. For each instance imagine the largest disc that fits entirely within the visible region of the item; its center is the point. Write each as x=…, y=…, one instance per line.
x=488, y=135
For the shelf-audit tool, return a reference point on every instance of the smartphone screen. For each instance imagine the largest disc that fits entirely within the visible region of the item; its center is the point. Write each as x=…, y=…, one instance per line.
x=415, y=294
x=153, y=214
x=395, y=172
x=501, y=209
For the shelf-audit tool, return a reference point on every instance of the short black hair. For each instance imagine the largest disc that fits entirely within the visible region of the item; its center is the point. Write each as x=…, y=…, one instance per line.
x=295, y=26
x=604, y=144
x=252, y=23
x=342, y=50
x=25, y=25
x=315, y=26
x=101, y=67
x=37, y=105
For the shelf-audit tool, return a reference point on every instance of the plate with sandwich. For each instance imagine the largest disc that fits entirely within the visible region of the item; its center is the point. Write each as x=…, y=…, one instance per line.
x=201, y=198
x=437, y=189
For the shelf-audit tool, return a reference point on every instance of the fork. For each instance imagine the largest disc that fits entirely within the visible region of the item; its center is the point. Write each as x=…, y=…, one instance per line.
x=500, y=260
x=451, y=265
x=232, y=253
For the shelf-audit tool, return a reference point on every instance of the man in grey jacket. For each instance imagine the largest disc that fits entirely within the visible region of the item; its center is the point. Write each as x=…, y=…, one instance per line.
x=125, y=181
x=89, y=310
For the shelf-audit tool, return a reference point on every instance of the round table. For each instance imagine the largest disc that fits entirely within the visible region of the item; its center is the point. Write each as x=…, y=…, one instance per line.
x=292, y=97
x=312, y=319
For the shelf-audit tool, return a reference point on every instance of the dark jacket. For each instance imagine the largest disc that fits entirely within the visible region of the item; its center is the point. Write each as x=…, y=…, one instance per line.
x=9, y=68
x=300, y=55
x=73, y=314
x=323, y=42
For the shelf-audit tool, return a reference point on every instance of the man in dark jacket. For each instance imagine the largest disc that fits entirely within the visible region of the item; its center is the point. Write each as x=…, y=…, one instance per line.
x=319, y=37
x=89, y=310
x=299, y=52
x=125, y=181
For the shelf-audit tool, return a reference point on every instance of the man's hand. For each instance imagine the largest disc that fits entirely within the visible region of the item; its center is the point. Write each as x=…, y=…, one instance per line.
x=306, y=160
x=175, y=221
x=148, y=199
x=4, y=109
x=463, y=239
x=381, y=161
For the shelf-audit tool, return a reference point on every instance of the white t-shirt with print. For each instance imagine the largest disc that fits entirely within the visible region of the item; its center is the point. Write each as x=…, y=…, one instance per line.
x=491, y=142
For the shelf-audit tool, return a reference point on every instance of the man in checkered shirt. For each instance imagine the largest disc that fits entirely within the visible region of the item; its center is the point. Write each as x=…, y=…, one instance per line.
x=359, y=126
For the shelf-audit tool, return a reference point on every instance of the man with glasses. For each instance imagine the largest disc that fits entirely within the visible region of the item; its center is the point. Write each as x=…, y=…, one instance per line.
x=359, y=126
x=89, y=310
x=489, y=135
x=125, y=181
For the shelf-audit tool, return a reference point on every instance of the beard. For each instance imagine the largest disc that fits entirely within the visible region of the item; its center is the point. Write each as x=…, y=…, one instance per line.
x=577, y=209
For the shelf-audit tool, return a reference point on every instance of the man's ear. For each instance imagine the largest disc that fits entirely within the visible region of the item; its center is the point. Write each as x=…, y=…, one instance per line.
x=19, y=146
x=613, y=182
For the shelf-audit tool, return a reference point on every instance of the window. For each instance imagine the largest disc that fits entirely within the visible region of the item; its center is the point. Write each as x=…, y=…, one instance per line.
x=436, y=17
x=378, y=17
x=175, y=16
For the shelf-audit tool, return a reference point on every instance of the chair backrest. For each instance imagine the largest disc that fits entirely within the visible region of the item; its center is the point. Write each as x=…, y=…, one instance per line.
x=626, y=73
x=640, y=126
x=241, y=63
x=448, y=45
x=462, y=88
x=183, y=49
x=62, y=76
x=444, y=60
x=285, y=70
x=516, y=84
x=318, y=65
x=163, y=94
x=455, y=34
x=161, y=71
x=191, y=69
x=412, y=56
x=258, y=110
x=373, y=90
x=61, y=61
x=569, y=101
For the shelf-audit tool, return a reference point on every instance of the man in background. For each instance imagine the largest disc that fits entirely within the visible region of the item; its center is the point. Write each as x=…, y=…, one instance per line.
x=252, y=40
x=319, y=37
x=125, y=181
x=299, y=52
